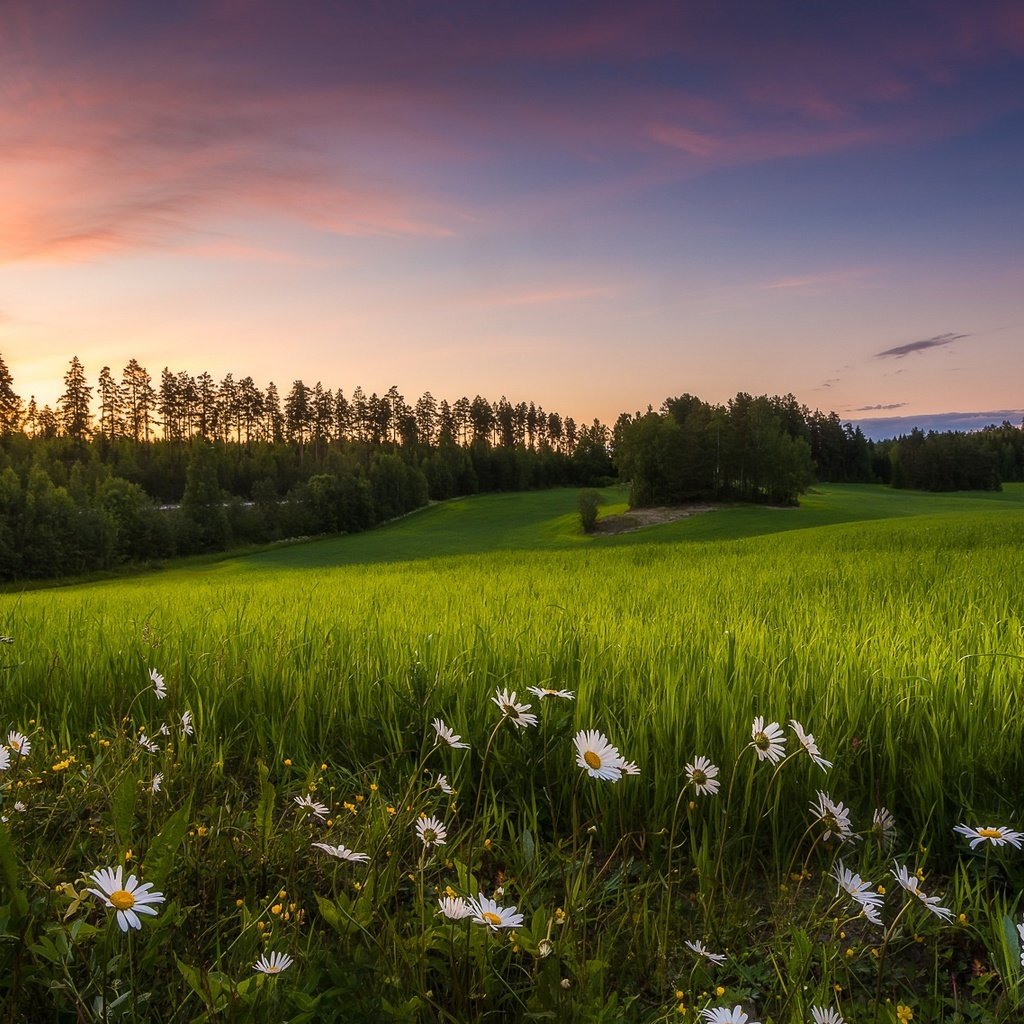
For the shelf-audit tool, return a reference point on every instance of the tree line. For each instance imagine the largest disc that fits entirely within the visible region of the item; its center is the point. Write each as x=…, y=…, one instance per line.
x=192, y=466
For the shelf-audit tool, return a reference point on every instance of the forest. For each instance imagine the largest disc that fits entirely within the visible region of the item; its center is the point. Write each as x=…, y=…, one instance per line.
x=137, y=471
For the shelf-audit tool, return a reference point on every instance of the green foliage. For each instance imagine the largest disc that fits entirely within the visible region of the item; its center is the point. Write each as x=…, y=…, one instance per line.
x=588, y=504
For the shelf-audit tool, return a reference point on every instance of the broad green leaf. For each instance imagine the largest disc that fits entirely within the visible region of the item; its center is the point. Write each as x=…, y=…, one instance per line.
x=160, y=856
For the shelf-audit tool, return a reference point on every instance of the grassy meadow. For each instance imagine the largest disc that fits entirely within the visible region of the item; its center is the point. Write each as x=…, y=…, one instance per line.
x=890, y=625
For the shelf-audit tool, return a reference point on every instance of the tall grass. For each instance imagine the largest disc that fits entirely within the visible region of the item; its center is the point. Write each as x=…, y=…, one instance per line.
x=899, y=643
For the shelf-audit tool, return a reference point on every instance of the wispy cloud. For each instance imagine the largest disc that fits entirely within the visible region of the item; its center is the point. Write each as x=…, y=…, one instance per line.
x=939, y=341
x=881, y=408
x=821, y=281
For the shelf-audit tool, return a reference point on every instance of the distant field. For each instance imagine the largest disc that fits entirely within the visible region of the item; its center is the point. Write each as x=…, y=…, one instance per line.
x=890, y=624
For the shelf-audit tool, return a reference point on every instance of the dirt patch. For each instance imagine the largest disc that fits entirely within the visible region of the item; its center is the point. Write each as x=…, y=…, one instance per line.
x=639, y=518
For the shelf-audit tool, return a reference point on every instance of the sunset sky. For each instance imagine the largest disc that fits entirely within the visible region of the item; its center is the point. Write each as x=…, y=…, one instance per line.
x=588, y=205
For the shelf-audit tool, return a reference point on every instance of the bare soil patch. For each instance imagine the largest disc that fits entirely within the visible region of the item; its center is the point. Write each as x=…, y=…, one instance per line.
x=639, y=518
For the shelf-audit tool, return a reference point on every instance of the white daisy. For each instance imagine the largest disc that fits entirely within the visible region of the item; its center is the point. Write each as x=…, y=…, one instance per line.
x=834, y=816
x=768, y=741
x=342, y=852
x=600, y=759
x=1020, y=933
x=866, y=896
x=20, y=806
x=147, y=744
x=19, y=743
x=723, y=1015
x=997, y=835
x=186, y=724
x=913, y=885
x=807, y=742
x=488, y=913
x=519, y=714
x=273, y=963
x=445, y=735
x=431, y=832
x=701, y=950
x=5, y=759
x=455, y=908
x=540, y=692
x=157, y=783
x=164, y=730
x=443, y=784
x=821, y=1015
x=883, y=824
x=703, y=775
x=307, y=803
x=158, y=684
x=129, y=898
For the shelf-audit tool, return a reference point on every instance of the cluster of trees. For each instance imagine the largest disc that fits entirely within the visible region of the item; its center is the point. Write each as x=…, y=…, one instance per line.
x=763, y=449
x=183, y=407
x=953, y=461
x=194, y=467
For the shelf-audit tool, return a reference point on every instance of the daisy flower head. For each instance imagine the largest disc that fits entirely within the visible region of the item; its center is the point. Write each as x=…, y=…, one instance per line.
x=768, y=741
x=487, y=912
x=997, y=835
x=307, y=803
x=807, y=742
x=595, y=754
x=540, y=692
x=342, y=852
x=164, y=730
x=273, y=963
x=147, y=744
x=444, y=785
x=629, y=768
x=862, y=892
x=912, y=884
x=445, y=735
x=834, y=816
x=723, y=1015
x=1020, y=933
x=431, y=832
x=455, y=908
x=5, y=759
x=825, y=1015
x=520, y=714
x=157, y=783
x=159, y=687
x=19, y=743
x=703, y=775
x=186, y=724
x=883, y=825
x=701, y=950
x=128, y=899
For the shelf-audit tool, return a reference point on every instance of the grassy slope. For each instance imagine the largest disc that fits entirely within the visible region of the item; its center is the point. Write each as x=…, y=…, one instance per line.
x=547, y=521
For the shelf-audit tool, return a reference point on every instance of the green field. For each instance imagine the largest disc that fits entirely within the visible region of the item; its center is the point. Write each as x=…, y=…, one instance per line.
x=890, y=624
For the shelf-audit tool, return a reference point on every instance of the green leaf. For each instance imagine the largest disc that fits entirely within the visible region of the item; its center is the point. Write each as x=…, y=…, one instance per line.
x=529, y=847
x=160, y=855
x=123, y=808
x=265, y=809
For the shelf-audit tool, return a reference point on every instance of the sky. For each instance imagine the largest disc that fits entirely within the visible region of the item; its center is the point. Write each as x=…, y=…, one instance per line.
x=592, y=206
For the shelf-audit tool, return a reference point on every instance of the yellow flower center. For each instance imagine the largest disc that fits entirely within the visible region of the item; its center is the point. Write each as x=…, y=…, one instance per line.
x=990, y=833
x=491, y=918
x=593, y=761
x=429, y=835
x=122, y=899
x=16, y=746
x=698, y=777
x=511, y=710
x=273, y=969
x=761, y=741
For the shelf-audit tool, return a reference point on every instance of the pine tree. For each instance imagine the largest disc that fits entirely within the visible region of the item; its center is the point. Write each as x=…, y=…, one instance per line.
x=10, y=403
x=73, y=404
